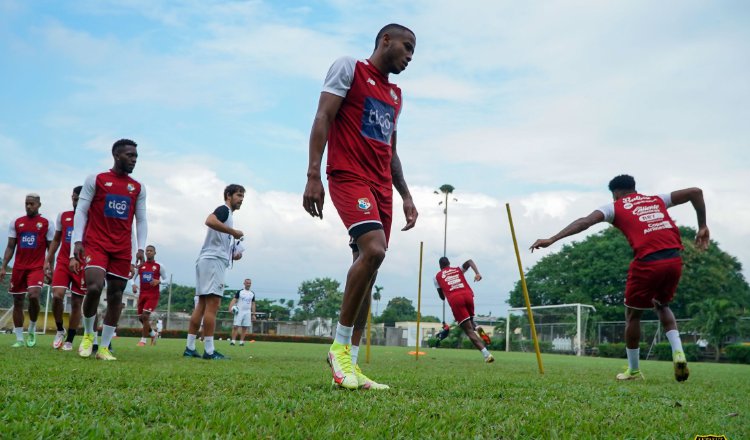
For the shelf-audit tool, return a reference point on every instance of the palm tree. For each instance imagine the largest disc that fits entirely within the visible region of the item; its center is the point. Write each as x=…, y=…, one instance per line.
x=376, y=296
x=446, y=189
x=716, y=319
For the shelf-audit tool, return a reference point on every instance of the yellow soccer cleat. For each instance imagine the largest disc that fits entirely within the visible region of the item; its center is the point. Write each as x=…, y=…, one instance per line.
x=103, y=354
x=87, y=345
x=681, y=371
x=630, y=375
x=366, y=383
x=340, y=360
x=489, y=359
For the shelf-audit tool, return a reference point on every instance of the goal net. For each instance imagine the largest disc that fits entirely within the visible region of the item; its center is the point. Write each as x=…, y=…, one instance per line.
x=561, y=328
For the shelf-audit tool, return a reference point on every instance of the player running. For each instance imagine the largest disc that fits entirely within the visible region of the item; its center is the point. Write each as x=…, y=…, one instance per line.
x=63, y=279
x=451, y=285
x=149, y=276
x=244, y=301
x=357, y=115
x=28, y=238
x=657, y=265
x=102, y=237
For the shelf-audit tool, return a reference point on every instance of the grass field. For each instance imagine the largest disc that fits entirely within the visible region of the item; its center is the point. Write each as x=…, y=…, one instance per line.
x=281, y=390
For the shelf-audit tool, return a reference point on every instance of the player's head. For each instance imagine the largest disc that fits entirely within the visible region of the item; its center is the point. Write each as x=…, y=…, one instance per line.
x=126, y=155
x=150, y=252
x=33, y=202
x=395, y=45
x=621, y=186
x=234, y=194
x=248, y=282
x=74, y=196
x=444, y=262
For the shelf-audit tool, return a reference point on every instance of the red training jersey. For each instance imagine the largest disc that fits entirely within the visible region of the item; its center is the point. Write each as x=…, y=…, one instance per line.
x=360, y=138
x=451, y=281
x=65, y=227
x=150, y=270
x=32, y=235
x=110, y=215
x=646, y=224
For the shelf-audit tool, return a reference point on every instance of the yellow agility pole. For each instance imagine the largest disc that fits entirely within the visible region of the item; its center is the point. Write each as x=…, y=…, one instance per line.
x=419, y=299
x=525, y=292
x=369, y=332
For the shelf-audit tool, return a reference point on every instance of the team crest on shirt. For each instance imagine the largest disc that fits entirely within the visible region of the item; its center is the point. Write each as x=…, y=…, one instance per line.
x=394, y=96
x=153, y=267
x=39, y=225
x=88, y=259
x=131, y=187
x=364, y=204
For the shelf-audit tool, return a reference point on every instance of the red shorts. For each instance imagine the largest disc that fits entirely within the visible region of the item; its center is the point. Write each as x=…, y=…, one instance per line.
x=652, y=281
x=22, y=279
x=65, y=278
x=462, y=305
x=363, y=207
x=99, y=258
x=147, y=303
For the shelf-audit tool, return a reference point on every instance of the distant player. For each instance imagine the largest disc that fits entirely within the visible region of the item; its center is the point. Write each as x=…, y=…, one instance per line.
x=451, y=285
x=442, y=334
x=149, y=276
x=244, y=300
x=28, y=238
x=357, y=114
x=657, y=265
x=63, y=279
x=159, y=328
x=102, y=238
x=219, y=249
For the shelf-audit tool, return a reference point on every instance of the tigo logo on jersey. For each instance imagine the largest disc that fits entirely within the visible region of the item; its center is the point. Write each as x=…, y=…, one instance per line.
x=377, y=120
x=68, y=234
x=146, y=277
x=28, y=240
x=364, y=204
x=116, y=206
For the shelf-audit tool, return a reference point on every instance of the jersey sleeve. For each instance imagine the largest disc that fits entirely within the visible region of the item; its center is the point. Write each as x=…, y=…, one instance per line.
x=237, y=295
x=609, y=212
x=12, y=229
x=222, y=213
x=667, y=199
x=141, y=223
x=340, y=76
x=82, y=210
x=58, y=224
x=162, y=272
x=435, y=281
x=51, y=231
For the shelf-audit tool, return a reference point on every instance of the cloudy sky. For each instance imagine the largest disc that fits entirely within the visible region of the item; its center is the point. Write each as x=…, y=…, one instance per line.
x=533, y=104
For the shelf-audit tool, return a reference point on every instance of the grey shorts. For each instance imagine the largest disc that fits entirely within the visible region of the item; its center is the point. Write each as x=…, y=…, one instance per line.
x=209, y=276
x=243, y=319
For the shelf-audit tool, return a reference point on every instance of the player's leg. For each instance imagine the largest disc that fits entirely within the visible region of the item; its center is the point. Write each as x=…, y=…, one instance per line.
x=632, y=343
x=145, y=318
x=234, y=329
x=18, y=317
x=95, y=277
x=243, y=332
x=196, y=320
x=115, y=288
x=213, y=302
x=58, y=304
x=34, y=294
x=74, y=321
x=666, y=317
x=360, y=326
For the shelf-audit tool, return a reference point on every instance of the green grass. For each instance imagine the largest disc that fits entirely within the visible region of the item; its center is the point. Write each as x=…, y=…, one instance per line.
x=282, y=390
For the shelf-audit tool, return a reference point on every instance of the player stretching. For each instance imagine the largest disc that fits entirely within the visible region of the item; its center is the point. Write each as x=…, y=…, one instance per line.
x=149, y=276
x=357, y=115
x=28, y=237
x=219, y=249
x=657, y=265
x=63, y=279
x=451, y=285
x=102, y=237
x=243, y=317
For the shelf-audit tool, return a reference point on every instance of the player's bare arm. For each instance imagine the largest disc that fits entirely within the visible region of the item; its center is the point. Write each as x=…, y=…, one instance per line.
x=470, y=264
x=314, y=196
x=397, y=173
x=695, y=197
x=214, y=223
x=9, y=251
x=575, y=227
x=231, y=304
x=440, y=294
x=49, y=264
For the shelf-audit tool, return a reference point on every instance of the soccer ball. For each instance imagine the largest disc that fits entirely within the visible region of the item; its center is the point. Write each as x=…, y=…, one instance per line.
x=235, y=309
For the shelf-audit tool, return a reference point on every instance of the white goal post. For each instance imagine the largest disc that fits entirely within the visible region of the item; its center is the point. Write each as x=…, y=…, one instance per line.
x=581, y=319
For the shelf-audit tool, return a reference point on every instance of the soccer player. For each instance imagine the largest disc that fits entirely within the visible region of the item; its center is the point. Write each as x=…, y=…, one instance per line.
x=63, y=279
x=243, y=317
x=149, y=276
x=159, y=328
x=219, y=249
x=451, y=285
x=102, y=237
x=28, y=238
x=444, y=332
x=357, y=114
x=657, y=265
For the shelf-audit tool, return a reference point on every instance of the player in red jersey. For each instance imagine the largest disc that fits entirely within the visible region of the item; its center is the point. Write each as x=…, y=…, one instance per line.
x=357, y=115
x=149, y=276
x=63, y=279
x=102, y=239
x=657, y=265
x=451, y=285
x=28, y=237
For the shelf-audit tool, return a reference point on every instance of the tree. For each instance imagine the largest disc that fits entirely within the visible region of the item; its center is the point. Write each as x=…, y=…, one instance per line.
x=398, y=309
x=377, y=296
x=273, y=311
x=320, y=297
x=182, y=298
x=716, y=319
x=594, y=271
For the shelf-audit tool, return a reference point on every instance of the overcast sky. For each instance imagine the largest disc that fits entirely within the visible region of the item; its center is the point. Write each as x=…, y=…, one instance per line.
x=537, y=104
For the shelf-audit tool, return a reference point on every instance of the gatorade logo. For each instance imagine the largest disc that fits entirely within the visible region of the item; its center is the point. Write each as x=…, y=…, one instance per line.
x=116, y=206
x=27, y=240
x=378, y=120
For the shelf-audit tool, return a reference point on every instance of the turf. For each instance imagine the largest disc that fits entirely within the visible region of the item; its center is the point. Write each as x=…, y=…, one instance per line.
x=282, y=390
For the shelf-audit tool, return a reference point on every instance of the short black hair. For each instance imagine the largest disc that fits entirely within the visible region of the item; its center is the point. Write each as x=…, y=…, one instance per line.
x=389, y=28
x=444, y=262
x=232, y=189
x=123, y=143
x=623, y=182
x=151, y=246
x=77, y=190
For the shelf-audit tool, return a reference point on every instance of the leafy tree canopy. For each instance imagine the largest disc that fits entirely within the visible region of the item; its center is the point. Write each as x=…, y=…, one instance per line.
x=320, y=297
